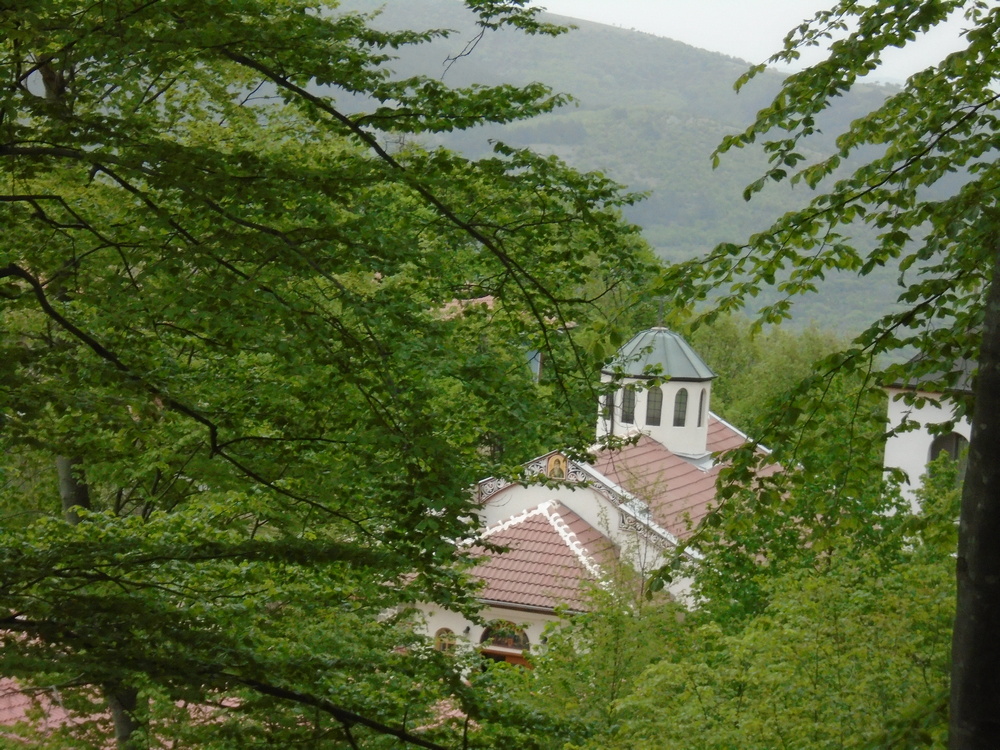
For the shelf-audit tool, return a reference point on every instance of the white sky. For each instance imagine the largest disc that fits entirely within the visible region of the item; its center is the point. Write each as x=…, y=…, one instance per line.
x=749, y=29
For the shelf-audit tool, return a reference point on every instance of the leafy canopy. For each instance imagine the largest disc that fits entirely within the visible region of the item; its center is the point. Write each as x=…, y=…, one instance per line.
x=920, y=170
x=269, y=341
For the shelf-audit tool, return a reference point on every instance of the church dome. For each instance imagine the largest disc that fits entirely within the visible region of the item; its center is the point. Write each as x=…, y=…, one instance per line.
x=659, y=352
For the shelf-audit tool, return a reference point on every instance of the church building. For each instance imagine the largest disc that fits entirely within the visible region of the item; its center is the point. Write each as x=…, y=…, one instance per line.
x=631, y=506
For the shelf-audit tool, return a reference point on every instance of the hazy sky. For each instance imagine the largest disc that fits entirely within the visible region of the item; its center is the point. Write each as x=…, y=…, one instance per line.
x=748, y=29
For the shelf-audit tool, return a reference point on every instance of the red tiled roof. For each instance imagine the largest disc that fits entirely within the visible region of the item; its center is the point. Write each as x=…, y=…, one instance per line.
x=679, y=491
x=551, y=553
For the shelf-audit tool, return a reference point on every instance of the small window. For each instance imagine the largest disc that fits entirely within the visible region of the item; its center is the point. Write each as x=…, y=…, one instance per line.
x=628, y=405
x=444, y=640
x=654, y=405
x=535, y=364
x=680, y=407
x=701, y=407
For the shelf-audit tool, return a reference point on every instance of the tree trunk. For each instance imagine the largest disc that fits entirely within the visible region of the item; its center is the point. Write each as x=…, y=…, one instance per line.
x=72, y=488
x=975, y=671
x=122, y=701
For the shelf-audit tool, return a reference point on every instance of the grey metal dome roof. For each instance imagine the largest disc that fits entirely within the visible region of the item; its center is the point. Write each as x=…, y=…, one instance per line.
x=659, y=346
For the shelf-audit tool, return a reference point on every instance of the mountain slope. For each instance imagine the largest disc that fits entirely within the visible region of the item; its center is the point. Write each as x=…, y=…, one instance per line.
x=648, y=113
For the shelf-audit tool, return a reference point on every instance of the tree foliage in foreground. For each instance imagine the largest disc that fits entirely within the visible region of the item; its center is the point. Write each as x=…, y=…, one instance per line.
x=829, y=500
x=850, y=651
x=853, y=653
x=253, y=356
x=922, y=171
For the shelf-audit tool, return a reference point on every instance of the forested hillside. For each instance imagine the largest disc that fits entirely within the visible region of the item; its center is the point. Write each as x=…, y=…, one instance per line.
x=648, y=113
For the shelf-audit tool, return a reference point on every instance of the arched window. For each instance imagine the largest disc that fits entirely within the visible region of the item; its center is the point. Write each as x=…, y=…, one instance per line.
x=953, y=444
x=701, y=407
x=654, y=405
x=628, y=405
x=444, y=640
x=608, y=405
x=956, y=447
x=504, y=641
x=535, y=364
x=680, y=407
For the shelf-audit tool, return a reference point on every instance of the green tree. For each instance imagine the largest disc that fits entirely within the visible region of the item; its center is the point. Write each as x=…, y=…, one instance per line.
x=921, y=170
x=592, y=660
x=260, y=355
x=850, y=654
x=755, y=367
x=589, y=662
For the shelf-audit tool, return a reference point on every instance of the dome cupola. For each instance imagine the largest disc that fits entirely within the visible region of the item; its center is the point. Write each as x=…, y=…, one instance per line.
x=664, y=391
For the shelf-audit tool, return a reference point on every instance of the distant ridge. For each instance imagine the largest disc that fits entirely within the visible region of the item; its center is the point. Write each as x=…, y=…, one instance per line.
x=649, y=112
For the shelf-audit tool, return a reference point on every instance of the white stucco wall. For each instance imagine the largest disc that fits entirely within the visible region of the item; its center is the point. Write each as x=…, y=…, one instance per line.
x=690, y=440
x=910, y=451
x=515, y=499
x=533, y=624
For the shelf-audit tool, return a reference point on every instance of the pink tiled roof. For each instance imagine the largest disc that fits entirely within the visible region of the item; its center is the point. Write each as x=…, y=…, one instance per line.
x=17, y=706
x=679, y=491
x=551, y=553
x=26, y=716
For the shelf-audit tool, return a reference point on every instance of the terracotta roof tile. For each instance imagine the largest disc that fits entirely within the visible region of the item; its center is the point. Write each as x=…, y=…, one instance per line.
x=679, y=491
x=17, y=706
x=551, y=553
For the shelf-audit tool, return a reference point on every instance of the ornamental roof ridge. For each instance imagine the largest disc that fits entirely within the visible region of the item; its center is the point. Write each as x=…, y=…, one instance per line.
x=516, y=519
x=570, y=538
x=635, y=507
x=486, y=488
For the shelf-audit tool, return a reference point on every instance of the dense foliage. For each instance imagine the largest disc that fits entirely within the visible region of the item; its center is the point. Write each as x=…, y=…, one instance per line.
x=921, y=171
x=753, y=368
x=259, y=348
x=851, y=650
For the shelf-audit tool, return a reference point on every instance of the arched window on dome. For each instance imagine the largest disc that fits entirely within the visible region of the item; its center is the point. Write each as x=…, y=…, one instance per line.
x=608, y=412
x=701, y=406
x=680, y=407
x=607, y=405
x=628, y=405
x=654, y=406
x=535, y=364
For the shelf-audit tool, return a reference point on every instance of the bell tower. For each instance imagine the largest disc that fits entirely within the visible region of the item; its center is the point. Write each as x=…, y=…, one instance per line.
x=673, y=412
